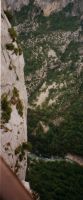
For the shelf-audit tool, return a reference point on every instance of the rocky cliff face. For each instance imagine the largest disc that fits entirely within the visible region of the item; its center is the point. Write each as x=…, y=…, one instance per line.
x=13, y=100
x=17, y=4
x=48, y=6
x=52, y=5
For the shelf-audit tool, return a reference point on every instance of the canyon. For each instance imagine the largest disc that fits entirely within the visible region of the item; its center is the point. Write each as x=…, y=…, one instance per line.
x=42, y=73
x=13, y=100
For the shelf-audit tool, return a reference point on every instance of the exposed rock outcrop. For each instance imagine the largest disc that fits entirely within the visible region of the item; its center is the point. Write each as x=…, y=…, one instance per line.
x=52, y=5
x=17, y=4
x=14, y=101
x=48, y=6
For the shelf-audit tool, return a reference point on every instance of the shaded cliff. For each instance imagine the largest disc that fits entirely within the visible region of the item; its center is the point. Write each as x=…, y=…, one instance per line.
x=13, y=100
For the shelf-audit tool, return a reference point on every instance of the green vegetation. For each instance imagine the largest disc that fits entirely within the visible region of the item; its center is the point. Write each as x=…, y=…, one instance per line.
x=27, y=146
x=56, y=180
x=17, y=50
x=21, y=150
x=62, y=139
x=45, y=25
x=15, y=92
x=17, y=166
x=20, y=49
x=9, y=15
x=12, y=33
x=16, y=101
x=10, y=46
x=49, y=33
x=24, y=13
x=15, y=96
x=54, y=22
x=53, y=180
x=69, y=7
x=71, y=53
x=18, y=150
x=19, y=107
x=6, y=109
x=32, y=62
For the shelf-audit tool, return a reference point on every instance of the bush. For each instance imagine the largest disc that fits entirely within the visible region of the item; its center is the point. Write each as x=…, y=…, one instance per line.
x=58, y=180
x=10, y=46
x=10, y=67
x=20, y=50
x=16, y=50
x=21, y=150
x=27, y=146
x=12, y=33
x=19, y=107
x=71, y=52
x=8, y=14
x=15, y=92
x=15, y=96
x=6, y=109
x=18, y=150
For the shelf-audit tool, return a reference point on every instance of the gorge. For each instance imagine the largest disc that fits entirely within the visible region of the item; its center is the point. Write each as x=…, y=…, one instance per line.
x=50, y=40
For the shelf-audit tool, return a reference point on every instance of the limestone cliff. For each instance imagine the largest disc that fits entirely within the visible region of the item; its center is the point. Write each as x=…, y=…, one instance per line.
x=48, y=6
x=13, y=100
x=52, y=5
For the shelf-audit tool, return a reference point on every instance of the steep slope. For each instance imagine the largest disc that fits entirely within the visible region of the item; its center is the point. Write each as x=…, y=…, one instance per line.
x=51, y=5
x=13, y=100
x=16, y=4
x=48, y=6
x=54, y=77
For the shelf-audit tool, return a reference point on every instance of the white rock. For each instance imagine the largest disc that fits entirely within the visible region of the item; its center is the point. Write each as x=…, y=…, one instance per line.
x=13, y=133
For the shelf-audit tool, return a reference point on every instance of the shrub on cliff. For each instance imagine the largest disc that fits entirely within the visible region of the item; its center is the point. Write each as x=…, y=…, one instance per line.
x=6, y=109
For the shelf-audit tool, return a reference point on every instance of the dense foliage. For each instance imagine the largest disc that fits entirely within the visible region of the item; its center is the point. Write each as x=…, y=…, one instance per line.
x=59, y=140
x=61, y=20
x=56, y=180
x=67, y=137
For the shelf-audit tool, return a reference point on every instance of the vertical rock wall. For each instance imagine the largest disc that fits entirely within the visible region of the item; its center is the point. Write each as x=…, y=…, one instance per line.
x=14, y=101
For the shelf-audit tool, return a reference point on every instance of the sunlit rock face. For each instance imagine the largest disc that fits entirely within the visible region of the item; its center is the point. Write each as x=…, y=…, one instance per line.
x=49, y=6
x=14, y=102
